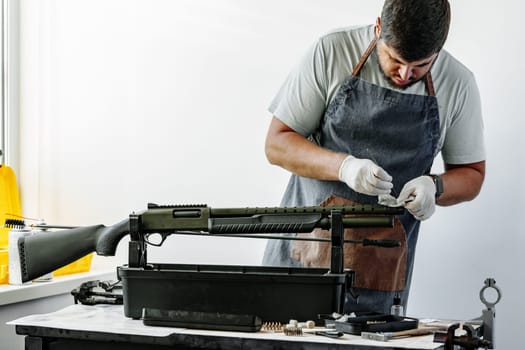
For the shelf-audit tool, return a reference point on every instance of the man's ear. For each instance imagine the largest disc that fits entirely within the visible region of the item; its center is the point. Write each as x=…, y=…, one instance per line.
x=377, y=28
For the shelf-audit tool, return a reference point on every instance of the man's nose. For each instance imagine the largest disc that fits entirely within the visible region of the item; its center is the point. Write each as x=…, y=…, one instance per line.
x=405, y=72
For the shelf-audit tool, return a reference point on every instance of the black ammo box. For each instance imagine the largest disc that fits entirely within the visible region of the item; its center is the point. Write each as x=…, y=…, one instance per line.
x=274, y=294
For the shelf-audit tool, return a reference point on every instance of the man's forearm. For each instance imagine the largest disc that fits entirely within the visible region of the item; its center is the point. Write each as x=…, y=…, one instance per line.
x=461, y=183
x=286, y=148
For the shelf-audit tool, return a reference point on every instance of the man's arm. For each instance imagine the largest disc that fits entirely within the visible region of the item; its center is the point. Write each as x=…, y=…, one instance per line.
x=461, y=182
x=292, y=151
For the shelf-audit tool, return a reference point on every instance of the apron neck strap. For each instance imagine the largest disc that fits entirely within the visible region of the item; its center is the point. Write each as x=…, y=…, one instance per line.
x=363, y=58
x=429, y=84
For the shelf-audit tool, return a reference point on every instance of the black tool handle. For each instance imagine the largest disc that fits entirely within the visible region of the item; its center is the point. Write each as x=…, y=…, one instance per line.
x=389, y=243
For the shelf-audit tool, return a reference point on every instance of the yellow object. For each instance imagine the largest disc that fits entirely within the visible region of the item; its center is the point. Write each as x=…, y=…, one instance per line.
x=10, y=209
x=80, y=265
x=9, y=201
x=4, y=267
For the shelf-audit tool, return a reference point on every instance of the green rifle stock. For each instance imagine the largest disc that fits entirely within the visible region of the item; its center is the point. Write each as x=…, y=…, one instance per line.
x=45, y=252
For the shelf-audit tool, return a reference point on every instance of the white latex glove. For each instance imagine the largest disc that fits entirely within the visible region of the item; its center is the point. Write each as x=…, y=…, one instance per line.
x=423, y=192
x=365, y=176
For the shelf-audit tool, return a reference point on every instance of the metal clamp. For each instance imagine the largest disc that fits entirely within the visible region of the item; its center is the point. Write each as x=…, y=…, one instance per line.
x=469, y=341
x=98, y=292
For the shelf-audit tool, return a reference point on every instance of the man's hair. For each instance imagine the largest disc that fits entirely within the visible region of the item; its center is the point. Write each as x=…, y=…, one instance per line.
x=416, y=29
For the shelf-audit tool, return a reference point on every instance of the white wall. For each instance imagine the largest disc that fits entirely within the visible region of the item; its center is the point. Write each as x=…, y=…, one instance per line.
x=125, y=102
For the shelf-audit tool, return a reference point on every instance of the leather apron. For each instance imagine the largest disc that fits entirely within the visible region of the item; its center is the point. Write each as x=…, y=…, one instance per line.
x=397, y=131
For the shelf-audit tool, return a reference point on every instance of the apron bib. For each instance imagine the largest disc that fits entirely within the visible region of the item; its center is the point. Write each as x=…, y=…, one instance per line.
x=397, y=131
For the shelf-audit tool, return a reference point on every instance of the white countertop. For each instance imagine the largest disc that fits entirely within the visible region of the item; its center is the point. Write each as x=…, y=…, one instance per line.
x=10, y=294
x=111, y=319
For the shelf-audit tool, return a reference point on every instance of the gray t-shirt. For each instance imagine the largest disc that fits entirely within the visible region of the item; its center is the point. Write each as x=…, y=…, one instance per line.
x=310, y=87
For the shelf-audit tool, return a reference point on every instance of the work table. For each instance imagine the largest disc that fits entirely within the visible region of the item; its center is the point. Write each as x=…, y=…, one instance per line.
x=40, y=297
x=106, y=327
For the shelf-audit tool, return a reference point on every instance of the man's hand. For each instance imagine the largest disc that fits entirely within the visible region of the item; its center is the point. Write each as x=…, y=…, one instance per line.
x=364, y=176
x=423, y=192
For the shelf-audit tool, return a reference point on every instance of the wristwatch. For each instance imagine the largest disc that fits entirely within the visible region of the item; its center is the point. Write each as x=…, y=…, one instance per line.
x=438, y=181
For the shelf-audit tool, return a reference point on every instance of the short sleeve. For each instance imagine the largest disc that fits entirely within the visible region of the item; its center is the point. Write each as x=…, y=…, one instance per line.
x=301, y=100
x=464, y=140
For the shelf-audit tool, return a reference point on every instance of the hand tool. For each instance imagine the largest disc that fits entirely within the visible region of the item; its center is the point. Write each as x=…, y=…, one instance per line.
x=384, y=336
x=330, y=333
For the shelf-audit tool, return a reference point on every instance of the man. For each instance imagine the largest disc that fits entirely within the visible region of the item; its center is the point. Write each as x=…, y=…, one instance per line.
x=363, y=115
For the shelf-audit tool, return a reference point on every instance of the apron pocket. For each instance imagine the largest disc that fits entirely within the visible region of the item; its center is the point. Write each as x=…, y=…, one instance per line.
x=377, y=268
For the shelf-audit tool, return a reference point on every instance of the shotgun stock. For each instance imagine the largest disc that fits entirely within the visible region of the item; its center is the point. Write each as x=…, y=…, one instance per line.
x=47, y=251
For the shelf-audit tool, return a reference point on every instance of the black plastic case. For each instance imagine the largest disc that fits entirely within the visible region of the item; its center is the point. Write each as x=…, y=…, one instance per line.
x=274, y=294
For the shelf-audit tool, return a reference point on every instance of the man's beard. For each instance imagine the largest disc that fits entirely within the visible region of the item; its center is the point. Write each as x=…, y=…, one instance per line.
x=391, y=82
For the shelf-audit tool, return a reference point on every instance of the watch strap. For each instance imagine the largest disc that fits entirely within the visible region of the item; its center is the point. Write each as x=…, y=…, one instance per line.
x=438, y=182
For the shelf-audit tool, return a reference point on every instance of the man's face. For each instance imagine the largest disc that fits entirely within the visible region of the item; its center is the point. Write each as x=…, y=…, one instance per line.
x=398, y=71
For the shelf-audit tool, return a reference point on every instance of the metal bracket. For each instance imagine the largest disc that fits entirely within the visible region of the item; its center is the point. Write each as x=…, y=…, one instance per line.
x=137, y=254
x=338, y=241
x=489, y=314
